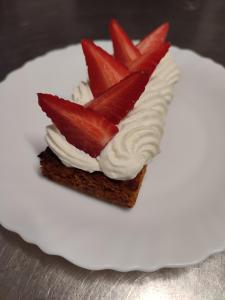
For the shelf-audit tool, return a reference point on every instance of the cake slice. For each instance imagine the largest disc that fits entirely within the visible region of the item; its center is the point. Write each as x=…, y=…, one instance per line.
x=101, y=144
x=96, y=184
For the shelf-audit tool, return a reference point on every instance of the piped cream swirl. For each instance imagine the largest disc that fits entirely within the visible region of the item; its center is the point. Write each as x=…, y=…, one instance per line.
x=140, y=133
x=69, y=155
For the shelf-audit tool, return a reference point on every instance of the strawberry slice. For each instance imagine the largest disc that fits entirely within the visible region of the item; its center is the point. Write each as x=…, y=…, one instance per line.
x=117, y=101
x=82, y=127
x=154, y=39
x=124, y=49
x=103, y=69
x=149, y=60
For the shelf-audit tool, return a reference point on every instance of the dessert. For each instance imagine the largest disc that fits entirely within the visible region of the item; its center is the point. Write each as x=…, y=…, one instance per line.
x=101, y=141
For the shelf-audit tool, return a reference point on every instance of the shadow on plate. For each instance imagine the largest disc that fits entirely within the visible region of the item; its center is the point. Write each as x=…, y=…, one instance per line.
x=37, y=143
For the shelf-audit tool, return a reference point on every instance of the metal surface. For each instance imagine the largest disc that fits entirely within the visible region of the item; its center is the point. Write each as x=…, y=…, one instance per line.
x=27, y=273
x=30, y=28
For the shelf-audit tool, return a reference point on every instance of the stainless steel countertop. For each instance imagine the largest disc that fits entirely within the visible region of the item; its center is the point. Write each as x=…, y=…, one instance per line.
x=29, y=28
x=27, y=273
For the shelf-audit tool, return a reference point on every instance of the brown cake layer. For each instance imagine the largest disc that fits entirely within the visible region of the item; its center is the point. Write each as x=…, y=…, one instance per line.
x=96, y=184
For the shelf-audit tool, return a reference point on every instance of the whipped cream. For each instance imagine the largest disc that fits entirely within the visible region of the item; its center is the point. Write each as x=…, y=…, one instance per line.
x=140, y=132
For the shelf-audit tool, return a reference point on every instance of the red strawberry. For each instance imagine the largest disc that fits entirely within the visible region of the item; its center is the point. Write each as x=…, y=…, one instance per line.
x=154, y=39
x=82, y=127
x=104, y=70
x=124, y=49
x=149, y=60
x=117, y=101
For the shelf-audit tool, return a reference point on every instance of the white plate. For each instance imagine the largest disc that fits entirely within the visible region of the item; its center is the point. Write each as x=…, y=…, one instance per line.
x=179, y=218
